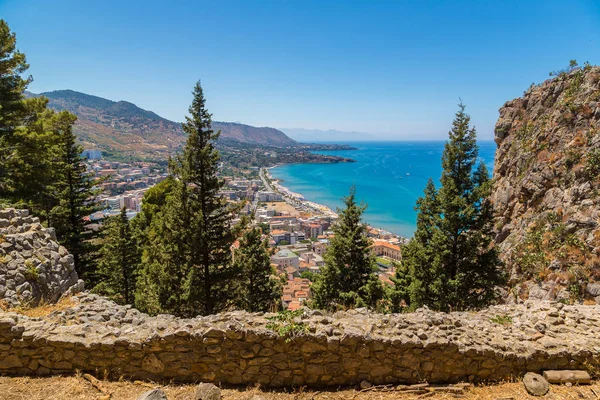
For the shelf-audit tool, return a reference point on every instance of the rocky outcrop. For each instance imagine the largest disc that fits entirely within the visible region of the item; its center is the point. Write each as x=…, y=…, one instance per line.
x=345, y=348
x=34, y=268
x=547, y=188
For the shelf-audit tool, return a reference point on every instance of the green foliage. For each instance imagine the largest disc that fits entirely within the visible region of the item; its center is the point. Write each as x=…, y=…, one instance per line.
x=572, y=157
x=286, y=325
x=259, y=288
x=187, y=251
x=546, y=240
x=562, y=72
x=265, y=228
x=348, y=278
x=592, y=164
x=75, y=191
x=311, y=276
x=451, y=262
x=283, y=243
x=31, y=273
x=399, y=294
x=503, y=319
x=41, y=165
x=119, y=260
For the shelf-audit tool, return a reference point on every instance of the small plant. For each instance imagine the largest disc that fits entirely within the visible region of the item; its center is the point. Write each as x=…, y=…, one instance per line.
x=284, y=324
x=562, y=72
x=572, y=157
x=575, y=292
x=502, y=319
x=592, y=165
x=31, y=273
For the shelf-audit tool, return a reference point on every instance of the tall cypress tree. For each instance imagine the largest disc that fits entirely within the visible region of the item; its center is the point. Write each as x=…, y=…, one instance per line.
x=453, y=265
x=348, y=278
x=189, y=260
x=119, y=260
x=260, y=289
x=76, y=197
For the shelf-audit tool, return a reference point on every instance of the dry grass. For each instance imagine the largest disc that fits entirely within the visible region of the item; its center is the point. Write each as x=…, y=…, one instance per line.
x=77, y=388
x=42, y=310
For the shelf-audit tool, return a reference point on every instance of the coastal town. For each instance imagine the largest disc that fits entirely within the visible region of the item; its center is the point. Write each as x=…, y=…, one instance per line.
x=298, y=230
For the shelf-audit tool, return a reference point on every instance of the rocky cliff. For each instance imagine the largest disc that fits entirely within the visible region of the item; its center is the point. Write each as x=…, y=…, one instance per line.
x=546, y=191
x=34, y=268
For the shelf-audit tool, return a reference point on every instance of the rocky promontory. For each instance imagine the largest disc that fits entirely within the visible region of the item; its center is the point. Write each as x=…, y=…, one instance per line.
x=546, y=189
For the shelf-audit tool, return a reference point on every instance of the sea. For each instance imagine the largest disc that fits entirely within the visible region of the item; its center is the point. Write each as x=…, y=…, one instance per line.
x=389, y=178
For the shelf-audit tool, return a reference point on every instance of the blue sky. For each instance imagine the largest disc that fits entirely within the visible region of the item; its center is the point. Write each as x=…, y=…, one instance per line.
x=392, y=68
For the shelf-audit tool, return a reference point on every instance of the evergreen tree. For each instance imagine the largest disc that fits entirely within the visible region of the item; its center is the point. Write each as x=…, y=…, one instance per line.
x=260, y=289
x=189, y=257
x=399, y=294
x=76, y=198
x=13, y=106
x=348, y=278
x=33, y=164
x=13, y=64
x=452, y=262
x=119, y=260
x=418, y=254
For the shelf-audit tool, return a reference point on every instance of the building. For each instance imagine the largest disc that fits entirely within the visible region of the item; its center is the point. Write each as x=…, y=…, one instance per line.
x=285, y=258
x=92, y=154
x=313, y=230
x=386, y=249
x=265, y=196
x=115, y=203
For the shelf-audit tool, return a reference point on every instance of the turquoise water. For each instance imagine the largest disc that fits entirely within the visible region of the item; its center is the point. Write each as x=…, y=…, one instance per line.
x=389, y=177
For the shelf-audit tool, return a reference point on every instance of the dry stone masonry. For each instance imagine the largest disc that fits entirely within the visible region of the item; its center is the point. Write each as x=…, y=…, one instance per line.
x=33, y=267
x=98, y=336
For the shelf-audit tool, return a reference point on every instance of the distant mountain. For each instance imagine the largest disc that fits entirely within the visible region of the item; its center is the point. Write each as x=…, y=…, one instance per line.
x=123, y=127
x=317, y=135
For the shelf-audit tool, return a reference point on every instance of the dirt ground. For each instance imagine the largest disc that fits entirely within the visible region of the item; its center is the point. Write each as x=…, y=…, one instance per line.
x=78, y=388
x=282, y=206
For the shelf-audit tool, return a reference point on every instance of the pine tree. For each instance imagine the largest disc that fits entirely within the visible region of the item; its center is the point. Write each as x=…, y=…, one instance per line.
x=33, y=164
x=76, y=198
x=260, y=289
x=13, y=64
x=418, y=254
x=13, y=106
x=453, y=265
x=348, y=278
x=119, y=260
x=189, y=257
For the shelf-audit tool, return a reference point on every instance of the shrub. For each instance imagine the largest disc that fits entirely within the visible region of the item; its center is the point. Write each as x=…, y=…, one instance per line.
x=592, y=165
x=502, y=319
x=285, y=324
x=31, y=273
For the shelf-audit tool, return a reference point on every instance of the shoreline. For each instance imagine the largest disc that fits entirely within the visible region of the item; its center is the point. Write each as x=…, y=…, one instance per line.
x=294, y=198
x=297, y=199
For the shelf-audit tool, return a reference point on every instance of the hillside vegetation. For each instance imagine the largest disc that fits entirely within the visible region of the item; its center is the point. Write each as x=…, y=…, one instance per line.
x=124, y=128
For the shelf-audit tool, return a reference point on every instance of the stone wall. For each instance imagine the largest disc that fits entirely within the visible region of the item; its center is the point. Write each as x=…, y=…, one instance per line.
x=34, y=268
x=98, y=336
